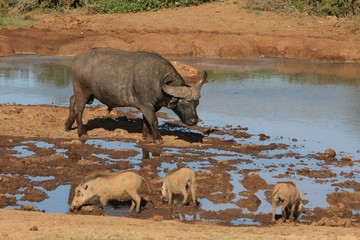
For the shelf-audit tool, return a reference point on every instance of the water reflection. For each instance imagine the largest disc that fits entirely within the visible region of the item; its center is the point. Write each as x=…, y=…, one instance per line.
x=284, y=66
x=34, y=83
x=327, y=114
x=151, y=151
x=295, y=78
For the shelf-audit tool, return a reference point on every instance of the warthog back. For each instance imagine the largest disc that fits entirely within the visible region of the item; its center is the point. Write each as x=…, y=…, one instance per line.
x=287, y=195
x=180, y=182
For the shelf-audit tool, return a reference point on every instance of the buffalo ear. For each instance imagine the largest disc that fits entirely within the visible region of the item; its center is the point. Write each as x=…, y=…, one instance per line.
x=173, y=102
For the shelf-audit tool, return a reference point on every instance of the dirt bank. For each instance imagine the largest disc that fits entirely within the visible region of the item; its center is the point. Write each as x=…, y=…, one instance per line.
x=222, y=29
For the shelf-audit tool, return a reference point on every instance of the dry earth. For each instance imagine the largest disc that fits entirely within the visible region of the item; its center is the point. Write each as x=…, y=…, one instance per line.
x=223, y=29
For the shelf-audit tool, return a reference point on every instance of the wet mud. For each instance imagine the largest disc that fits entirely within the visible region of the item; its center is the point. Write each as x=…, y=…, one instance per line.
x=236, y=169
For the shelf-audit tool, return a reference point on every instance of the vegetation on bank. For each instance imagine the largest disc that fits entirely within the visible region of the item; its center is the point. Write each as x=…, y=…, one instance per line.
x=11, y=11
x=93, y=6
x=339, y=8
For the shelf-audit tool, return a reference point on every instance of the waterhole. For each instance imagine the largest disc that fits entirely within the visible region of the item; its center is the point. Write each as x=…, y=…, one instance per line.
x=305, y=106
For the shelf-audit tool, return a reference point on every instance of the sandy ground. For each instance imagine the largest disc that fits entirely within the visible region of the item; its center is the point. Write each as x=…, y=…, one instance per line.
x=221, y=29
x=35, y=225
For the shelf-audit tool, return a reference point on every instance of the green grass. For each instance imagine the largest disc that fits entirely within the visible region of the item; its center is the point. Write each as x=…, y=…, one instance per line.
x=94, y=6
x=14, y=21
x=339, y=8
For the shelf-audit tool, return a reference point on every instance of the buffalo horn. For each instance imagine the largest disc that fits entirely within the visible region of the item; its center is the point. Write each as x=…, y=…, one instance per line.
x=201, y=82
x=186, y=92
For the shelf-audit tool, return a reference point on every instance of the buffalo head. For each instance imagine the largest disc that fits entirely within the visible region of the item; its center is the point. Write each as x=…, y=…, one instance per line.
x=185, y=99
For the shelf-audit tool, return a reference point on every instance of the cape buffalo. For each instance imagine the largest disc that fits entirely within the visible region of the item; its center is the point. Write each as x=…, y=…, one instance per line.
x=142, y=80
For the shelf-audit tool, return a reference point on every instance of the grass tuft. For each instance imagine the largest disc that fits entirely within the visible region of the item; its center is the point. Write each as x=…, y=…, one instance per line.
x=14, y=21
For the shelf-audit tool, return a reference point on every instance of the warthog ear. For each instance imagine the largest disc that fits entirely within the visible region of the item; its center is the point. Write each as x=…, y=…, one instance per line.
x=173, y=102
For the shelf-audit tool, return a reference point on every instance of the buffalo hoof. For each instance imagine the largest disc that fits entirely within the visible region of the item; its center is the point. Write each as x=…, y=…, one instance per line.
x=83, y=138
x=67, y=127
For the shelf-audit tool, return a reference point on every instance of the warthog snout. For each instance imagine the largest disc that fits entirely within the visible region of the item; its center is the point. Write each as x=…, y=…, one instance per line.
x=73, y=208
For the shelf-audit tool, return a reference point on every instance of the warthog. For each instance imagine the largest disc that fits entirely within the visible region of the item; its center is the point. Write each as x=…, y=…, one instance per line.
x=181, y=181
x=287, y=195
x=109, y=186
x=142, y=80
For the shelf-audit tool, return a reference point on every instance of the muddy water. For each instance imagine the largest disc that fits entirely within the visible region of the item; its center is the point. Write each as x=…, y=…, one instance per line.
x=309, y=106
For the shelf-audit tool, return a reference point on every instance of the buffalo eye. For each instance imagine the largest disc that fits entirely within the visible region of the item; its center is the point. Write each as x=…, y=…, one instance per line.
x=185, y=103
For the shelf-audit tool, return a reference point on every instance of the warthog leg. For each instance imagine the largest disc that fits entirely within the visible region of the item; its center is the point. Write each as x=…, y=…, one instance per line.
x=193, y=196
x=283, y=210
x=185, y=194
x=135, y=201
x=273, y=220
x=291, y=217
x=170, y=197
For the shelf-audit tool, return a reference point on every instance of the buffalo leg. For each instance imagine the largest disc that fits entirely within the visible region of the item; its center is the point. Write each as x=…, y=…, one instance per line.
x=150, y=117
x=109, y=109
x=80, y=105
x=72, y=115
x=146, y=128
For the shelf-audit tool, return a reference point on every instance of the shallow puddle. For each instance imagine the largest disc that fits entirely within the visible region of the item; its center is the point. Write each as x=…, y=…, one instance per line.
x=307, y=111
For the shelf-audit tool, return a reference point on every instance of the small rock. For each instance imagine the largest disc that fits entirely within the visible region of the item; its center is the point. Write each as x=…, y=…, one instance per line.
x=28, y=207
x=86, y=162
x=223, y=163
x=34, y=228
x=330, y=153
x=209, y=173
x=346, y=158
x=263, y=137
x=332, y=21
